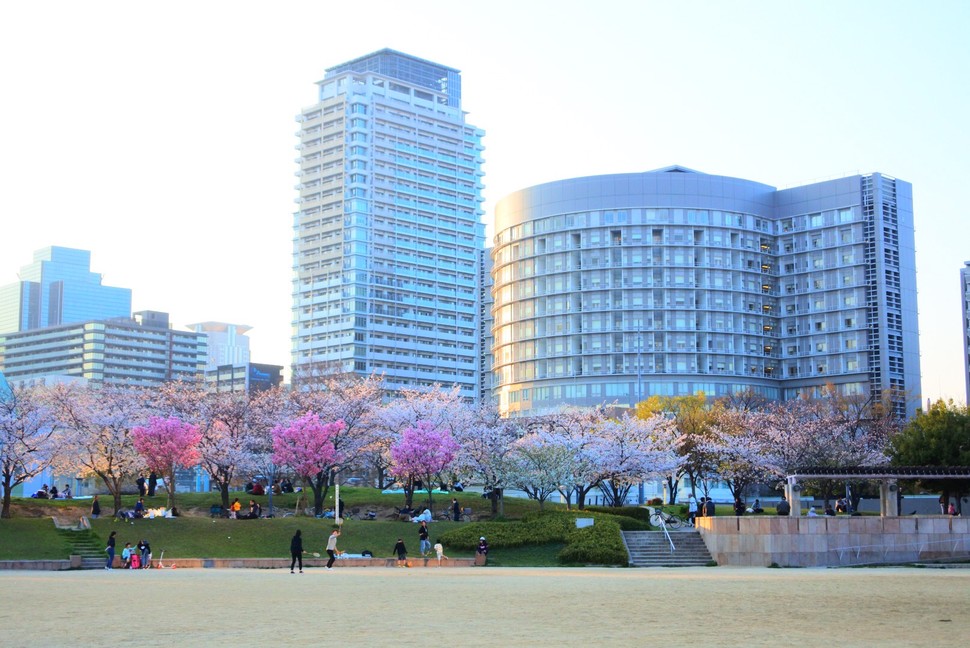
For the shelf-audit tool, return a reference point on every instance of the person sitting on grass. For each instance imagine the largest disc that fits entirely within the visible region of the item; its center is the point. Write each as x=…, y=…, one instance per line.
x=425, y=516
x=402, y=553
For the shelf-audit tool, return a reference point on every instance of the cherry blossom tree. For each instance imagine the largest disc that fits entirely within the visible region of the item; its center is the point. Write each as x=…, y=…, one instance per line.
x=229, y=441
x=28, y=438
x=421, y=452
x=540, y=464
x=168, y=444
x=692, y=415
x=349, y=399
x=485, y=446
x=574, y=429
x=443, y=409
x=743, y=453
x=97, y=438
x=306, y=446
x=627, y=450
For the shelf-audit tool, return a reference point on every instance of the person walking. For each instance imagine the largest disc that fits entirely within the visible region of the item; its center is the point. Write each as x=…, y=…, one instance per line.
x=423, y=536
x=439, y=549
x=456, y=509
x=332, y=547
x=296, y=550
x=109, y=563
x=95, y=508
x=691, y=509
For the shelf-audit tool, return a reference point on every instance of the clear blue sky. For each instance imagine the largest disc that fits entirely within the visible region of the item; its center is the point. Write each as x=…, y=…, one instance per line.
x=160, y=135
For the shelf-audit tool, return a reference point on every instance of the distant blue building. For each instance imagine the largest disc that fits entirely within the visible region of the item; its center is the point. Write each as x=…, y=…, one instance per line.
x=59, y=288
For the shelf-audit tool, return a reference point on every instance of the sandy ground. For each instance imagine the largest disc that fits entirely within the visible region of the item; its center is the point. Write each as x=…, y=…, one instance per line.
x=487, y=607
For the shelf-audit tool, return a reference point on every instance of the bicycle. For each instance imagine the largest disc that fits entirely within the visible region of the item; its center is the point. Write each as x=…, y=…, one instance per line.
x=660, y=518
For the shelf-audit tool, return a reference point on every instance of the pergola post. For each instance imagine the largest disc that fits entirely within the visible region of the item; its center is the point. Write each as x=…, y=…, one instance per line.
x=794, y=497
x=888, y=502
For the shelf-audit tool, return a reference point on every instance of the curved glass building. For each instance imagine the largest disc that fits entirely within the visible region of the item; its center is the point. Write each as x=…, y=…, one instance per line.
x=620, y=287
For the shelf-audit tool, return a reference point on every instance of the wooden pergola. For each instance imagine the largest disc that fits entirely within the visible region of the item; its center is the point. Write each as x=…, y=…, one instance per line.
x=888, y=476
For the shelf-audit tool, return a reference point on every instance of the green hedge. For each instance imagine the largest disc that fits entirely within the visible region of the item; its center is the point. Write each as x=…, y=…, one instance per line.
x=641, y=513
x=601, y=543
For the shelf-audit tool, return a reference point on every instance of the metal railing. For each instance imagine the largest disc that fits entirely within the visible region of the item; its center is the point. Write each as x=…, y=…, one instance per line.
x=951, y=547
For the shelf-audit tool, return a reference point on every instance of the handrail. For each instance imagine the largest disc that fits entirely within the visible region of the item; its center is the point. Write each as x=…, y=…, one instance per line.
x=663, y=524
x=919, y=547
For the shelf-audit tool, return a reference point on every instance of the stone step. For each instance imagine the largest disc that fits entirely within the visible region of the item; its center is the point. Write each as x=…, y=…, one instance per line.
x=652, y=549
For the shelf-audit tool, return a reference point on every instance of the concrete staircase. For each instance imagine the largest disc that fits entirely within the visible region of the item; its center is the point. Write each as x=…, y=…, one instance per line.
x=87, y=545
x=651, y=549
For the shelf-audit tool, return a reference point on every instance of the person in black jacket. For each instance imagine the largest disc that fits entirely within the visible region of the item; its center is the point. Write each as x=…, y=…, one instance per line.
x=296, y=550
x=456, y=509
x=110, y=549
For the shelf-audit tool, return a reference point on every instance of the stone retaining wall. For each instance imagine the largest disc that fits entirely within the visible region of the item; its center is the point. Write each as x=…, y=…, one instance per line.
x=245, y=563
x=761, y=540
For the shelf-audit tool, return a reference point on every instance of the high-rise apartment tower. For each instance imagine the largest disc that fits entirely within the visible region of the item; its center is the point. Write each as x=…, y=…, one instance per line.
x=388, y=226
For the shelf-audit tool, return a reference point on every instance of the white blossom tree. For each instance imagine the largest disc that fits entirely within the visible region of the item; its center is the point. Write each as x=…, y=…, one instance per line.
x=627, y=450
x=28, y=440
x=540, y=463
x=485, y=447
x=97, y=440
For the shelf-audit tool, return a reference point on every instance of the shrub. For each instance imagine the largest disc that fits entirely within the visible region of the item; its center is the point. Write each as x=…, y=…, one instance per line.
x=636, y=512
x=600, y=544
x=656, y=501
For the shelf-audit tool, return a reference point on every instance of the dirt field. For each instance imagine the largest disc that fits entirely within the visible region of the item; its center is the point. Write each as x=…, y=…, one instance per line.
x=488, y=607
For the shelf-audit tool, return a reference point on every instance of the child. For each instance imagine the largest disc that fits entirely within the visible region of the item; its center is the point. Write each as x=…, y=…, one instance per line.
x=126, y=555
x=440, y=550
x=402, y=553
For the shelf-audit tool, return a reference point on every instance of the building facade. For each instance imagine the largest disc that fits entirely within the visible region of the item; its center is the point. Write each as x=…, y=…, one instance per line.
x=228, y=344
x=59, y=288
x=142, y=350
x=965, y=303
x=671, y=282
x=388, y=226
x=485, y=392
x=250, y=377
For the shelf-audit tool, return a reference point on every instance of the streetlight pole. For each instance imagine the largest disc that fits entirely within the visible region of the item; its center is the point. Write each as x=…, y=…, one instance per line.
x=640, y=493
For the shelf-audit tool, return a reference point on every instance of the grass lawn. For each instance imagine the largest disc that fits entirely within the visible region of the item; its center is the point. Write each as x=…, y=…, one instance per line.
x=30, y=534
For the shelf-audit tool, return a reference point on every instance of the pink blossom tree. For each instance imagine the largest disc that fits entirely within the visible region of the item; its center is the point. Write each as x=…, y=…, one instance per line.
x=306, y=446
x=168, y=444
x=443, y=409
x=421, y=453
x=349, y=399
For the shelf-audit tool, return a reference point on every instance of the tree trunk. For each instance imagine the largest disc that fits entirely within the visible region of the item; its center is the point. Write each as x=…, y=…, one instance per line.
x=170, y=487
x=224, y=491
x=5, y=511
x=498, y=502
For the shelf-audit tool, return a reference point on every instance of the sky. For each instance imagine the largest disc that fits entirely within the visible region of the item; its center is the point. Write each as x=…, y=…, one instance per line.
x=160, y=135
